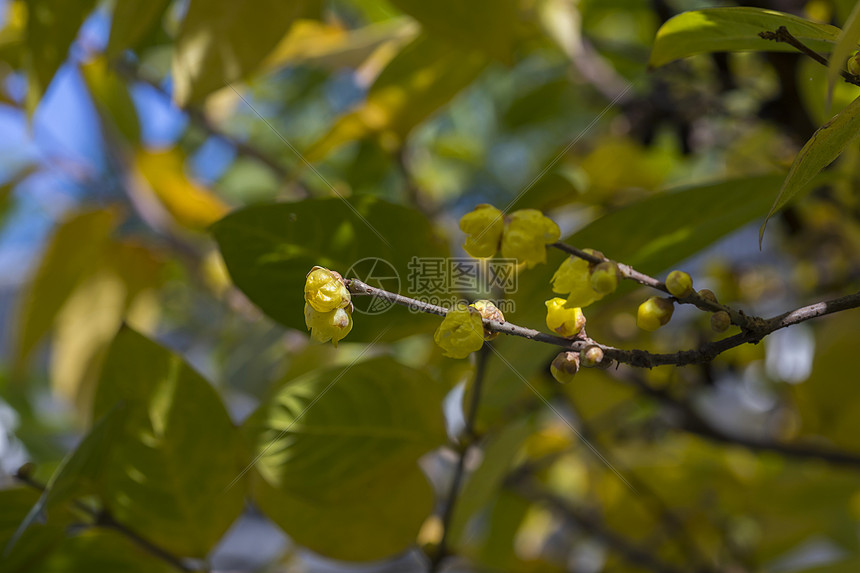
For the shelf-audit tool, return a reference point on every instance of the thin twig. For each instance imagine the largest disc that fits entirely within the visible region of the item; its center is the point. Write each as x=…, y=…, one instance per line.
x=467, y=440
x=105, y=520
x=638, y=358
x=783, y=35
x=747, y=323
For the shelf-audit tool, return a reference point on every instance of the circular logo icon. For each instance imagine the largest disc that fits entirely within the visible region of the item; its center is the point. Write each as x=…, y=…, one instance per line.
x=377, y=273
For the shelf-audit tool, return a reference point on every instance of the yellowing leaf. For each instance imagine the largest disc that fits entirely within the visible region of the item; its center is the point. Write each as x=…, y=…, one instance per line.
x=425, y=76
x=330, y=46
x=71, y=255
x=825, y=145
x=112, y=98
x=223, y=41
x=189, y=203
x=734, y=30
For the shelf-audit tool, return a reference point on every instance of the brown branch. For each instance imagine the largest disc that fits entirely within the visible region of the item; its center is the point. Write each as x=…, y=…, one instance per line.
x=468, y=438
x=783, y=35
x=103, y=519
x=638, y=358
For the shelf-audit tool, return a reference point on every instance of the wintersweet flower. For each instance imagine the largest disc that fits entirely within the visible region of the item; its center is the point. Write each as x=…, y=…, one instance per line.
x=325, y=290
x=483, y=227
x=526, y=234
x=461, y=332
x=333, y=325
x=573, y=278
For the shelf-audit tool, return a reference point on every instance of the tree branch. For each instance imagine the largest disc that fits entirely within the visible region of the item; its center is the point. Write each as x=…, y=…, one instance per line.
x=466, y=442
x=783, y=35
x=105, y=520
x=638, y=358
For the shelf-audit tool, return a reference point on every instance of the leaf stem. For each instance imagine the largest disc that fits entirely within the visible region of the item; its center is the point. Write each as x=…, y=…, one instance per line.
x=783, y=35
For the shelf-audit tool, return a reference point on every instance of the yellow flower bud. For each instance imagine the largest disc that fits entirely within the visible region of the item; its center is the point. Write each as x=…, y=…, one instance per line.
x=325, y=290
x=679, y=284
x=708, y=294
x=461, y=332
x=484, y=227
x=591, y=356
x=654, y=313
x=527, y=233
x=854, y=64
x=605, y=277
x=565, y=366
x=333, y=325
x=720, y=321
x=488, y=311
x=566, y=322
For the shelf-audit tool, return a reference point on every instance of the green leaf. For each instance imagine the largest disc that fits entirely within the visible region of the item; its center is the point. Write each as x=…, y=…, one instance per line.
x=457, y=21
x=734, y=30
x=132, y=21
x=845, y=45
x=269, y=250
x=35, y=543
x=423, y=77
x=825, y=145
x=223, y=41
x=71, y=254
x=52, y=26
x=337, y=457
x=168, y=474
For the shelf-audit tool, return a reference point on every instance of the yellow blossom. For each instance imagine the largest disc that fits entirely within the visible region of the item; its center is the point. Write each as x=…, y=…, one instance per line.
x=325, y=290
x=461, y=332
x=333, y=325
x=527, y=233
x=484, y=227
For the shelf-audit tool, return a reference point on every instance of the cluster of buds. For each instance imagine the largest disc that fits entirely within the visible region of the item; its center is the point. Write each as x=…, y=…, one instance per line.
x=566, y=364
x=328, y=305
x=462, y=331
x=521, y=235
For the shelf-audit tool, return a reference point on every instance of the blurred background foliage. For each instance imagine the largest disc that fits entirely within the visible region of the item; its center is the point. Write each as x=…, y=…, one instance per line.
x=170, y=170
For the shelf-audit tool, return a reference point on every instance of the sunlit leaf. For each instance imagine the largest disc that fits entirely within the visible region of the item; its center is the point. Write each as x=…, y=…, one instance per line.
x=72, y=253
x=189, y=203
x=734, y=30
x=845, y=46
x=330, y=46
x=36, y=542
x=102, y=550
x=825, y=145
x=423, y=77
x=169, y=471
x=269, y=250
x=223, y=41
x=338, y=454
